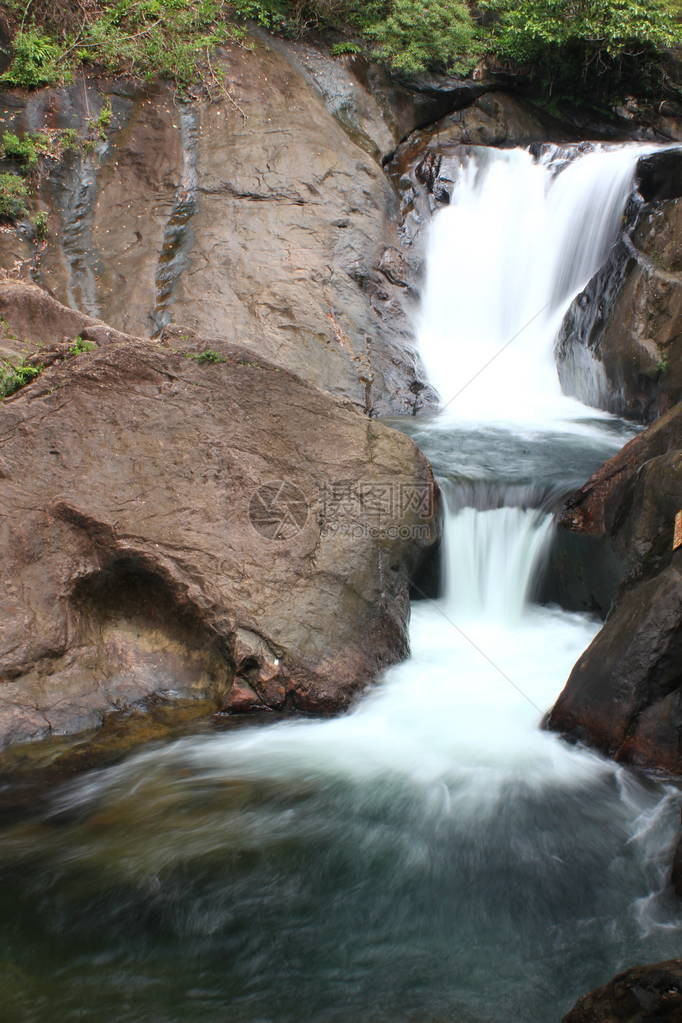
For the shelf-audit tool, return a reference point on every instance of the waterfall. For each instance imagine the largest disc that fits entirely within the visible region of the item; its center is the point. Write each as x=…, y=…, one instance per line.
x=492, y=559
x=432, y=853
x=519, y=240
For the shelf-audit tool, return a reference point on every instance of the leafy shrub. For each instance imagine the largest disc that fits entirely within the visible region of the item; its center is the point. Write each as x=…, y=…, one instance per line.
x=35, y=61
x=421, y=34
x=80, y=347
x=13, y=378
x=207, y=356
x=40, y=226
x=271, y=14
x=13, y=195
x=338, y=49
x=591, y=47
x=23, y=150
x=594, y=46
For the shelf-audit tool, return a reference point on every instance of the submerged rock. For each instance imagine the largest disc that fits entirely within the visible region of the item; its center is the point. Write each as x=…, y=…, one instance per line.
x=642, y=994
x=183, y=519
x=624, y=695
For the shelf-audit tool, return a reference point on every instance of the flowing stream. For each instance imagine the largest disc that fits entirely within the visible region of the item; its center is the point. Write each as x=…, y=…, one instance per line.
x=433, y=855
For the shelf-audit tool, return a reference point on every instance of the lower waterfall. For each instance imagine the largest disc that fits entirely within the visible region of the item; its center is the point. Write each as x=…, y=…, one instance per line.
x=433, y=854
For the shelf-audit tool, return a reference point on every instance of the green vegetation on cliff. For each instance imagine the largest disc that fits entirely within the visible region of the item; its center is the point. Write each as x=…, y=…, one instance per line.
x=13, y=378
x=599, y=47
x=602, y=48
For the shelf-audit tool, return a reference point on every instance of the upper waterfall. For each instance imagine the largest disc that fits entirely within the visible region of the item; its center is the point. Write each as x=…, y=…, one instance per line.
x=520, y=238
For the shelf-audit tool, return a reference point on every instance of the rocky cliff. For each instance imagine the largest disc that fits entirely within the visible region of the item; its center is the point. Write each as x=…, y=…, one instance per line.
x=254, y=217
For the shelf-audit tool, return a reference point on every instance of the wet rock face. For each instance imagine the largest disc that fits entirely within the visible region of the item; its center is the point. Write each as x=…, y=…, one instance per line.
x=254, y=217
x=194, y=528
x=624, y=695
x=642, y=994
x=627, y=323
x=660, y=176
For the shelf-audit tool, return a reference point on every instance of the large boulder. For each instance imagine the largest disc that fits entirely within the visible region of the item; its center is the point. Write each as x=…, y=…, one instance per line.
x=628, y=320
x=642, y=994
x=253, y=216
x=183, y=519
x=624, y=695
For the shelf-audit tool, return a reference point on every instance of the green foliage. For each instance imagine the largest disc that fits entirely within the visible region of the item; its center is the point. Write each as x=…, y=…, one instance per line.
x=13, y=196
x=23, y=150
x=596, y=46
x=35, y=61
x=274, y=15
x=13, y=378
x=338, y=49
x=420, y=34
x=147, y=38
x=40, y=226
x=80, y=347
x=207, y=356
x=593, y=48
x=103, y=119
x=26, y=152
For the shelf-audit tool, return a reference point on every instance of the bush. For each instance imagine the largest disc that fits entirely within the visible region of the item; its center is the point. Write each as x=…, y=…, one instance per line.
x=208, y=356
x=40, y=226
x=23, y=150
x=35, y=61
x=13, y=378
x=80, y=347
x=13, y=195
x=599, y=47
x=421, y=34
x=592, y=47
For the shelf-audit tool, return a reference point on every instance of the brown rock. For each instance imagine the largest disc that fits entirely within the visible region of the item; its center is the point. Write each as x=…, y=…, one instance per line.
x=624, y=695
x=642, y=994
x=30, y=320
x=134, y=563
x=255, y=218
x=596, y=508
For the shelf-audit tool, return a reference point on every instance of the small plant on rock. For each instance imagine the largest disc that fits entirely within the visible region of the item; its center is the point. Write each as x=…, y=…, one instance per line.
x=40, y=226
x=13, y=378
x=80, y=347
x=23, y=150
x=13, y=195
x=207, y=356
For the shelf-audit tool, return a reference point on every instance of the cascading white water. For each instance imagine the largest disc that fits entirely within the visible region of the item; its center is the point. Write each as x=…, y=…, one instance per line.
x=491, y=560
x=433, y=853
x=520, y=238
